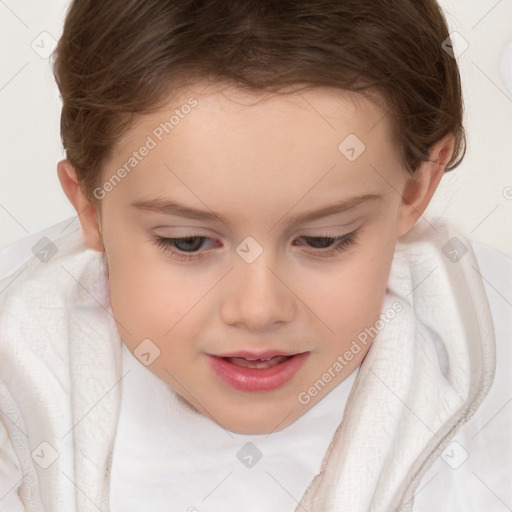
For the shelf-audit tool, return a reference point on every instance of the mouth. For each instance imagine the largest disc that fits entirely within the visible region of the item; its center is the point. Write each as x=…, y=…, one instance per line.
x=268, y=362
x=248, y=371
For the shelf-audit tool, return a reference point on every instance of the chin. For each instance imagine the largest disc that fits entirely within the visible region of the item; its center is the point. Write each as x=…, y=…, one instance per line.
x=254, y=422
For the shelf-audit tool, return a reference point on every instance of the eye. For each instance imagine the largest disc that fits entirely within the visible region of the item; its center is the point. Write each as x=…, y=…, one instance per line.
x=186, y=248
x=331, y=245
x=188, y=244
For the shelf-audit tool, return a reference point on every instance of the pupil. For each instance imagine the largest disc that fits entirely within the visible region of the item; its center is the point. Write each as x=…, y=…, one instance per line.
x=320, y=242
x=189, y=241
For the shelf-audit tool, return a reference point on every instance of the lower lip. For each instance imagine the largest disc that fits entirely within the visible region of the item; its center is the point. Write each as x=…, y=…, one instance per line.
x=257, y=379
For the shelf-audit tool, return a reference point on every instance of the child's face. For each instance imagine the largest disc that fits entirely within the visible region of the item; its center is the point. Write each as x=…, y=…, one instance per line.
x=264, y=282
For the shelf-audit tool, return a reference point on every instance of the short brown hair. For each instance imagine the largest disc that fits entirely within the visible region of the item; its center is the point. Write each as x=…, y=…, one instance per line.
x=118, y=58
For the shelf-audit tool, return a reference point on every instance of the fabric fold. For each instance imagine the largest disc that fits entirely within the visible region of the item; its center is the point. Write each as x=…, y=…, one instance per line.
x=95, y=360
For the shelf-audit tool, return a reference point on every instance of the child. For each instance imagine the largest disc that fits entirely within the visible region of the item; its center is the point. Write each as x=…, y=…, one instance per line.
x=254, y=314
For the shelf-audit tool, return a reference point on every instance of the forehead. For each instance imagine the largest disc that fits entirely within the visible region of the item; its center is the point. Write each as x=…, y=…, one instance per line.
x=222, y=139
x=224, y=111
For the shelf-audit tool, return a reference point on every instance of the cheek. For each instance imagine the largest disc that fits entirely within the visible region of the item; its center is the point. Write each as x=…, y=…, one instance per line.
x=350, y=297
x=145, y=299
x=370, y=282
x=152, y=298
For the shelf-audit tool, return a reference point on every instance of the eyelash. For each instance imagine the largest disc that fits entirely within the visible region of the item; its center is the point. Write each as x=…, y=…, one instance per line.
x=342, y=243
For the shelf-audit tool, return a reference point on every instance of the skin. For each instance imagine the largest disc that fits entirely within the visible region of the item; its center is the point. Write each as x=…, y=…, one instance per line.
x=257, y=160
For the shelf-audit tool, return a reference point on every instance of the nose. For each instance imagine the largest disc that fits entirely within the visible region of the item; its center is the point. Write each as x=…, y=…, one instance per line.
x=257, y=297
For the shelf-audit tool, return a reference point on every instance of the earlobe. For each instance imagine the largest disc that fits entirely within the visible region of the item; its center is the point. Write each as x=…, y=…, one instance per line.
x=418, y=191
x=84, y=208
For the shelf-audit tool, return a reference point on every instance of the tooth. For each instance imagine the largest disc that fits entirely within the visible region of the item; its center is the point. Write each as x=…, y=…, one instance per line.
x=257, y=363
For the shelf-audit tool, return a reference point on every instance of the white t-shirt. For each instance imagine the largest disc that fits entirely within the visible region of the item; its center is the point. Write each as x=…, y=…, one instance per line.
x=169, y=458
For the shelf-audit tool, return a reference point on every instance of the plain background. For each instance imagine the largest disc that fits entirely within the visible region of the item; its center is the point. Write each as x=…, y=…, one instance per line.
x=476, y=197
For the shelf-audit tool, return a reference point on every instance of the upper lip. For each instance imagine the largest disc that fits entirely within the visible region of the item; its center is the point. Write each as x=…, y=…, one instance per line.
x=246, y=354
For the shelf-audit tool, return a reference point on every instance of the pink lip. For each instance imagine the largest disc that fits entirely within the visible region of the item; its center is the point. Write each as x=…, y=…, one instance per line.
x=256, y=379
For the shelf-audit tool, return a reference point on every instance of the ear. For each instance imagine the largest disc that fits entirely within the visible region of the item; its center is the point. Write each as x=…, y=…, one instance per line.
x=419, y=189
x=84, y=208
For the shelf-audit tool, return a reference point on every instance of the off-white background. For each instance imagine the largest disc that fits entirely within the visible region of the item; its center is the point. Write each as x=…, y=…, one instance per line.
x=477, y=196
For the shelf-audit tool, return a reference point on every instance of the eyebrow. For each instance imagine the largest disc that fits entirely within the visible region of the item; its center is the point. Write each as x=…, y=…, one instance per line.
x=169, y=207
